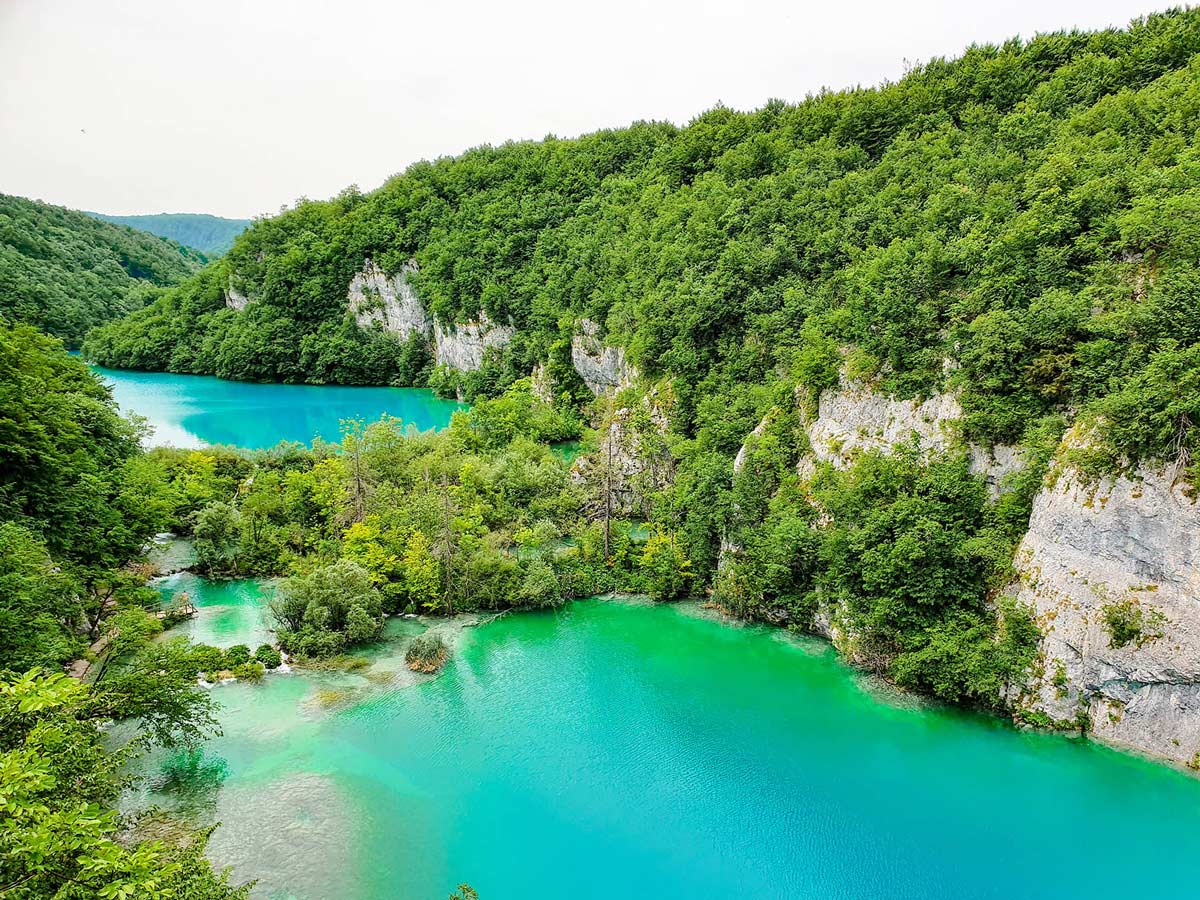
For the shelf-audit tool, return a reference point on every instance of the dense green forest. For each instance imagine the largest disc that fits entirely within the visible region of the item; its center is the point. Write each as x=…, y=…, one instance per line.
x=1018, y=224
x=211, y=235
x=66, y=272
x=78, y=502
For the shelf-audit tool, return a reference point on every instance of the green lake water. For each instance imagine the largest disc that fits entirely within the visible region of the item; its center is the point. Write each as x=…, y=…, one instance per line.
x=623, y=750
x=227, y=612
x=194, y=410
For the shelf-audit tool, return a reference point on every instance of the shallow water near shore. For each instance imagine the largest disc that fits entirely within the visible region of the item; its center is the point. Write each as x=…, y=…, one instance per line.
x=613, y=749
x=194, y=410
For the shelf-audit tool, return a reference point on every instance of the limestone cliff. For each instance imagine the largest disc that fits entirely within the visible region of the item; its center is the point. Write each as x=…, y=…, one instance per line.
x=390, y=303
x=602, y=367
x=632, y=460
x=234, y=298
x=464, y=345
x=393, y=305
x=855, y=418
x=1112, y=569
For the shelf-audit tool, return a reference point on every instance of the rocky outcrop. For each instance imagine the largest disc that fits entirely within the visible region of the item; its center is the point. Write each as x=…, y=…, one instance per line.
x=393, y=305
x=541, y=382
x=235, y=299
x=463, y=346
x=855, y=418
x=602, y=367
x=389, y=303
x=1124, y=549
x=739, y=461
x=631, y=462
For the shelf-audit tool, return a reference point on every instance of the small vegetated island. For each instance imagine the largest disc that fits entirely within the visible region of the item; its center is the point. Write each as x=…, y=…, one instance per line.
x=916, y=368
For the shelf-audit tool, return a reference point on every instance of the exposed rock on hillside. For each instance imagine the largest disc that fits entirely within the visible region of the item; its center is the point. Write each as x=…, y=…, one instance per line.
x=393, y=305
x=541, y=382
x=389, y=302
x=602, y=367
x=463, y=346
x=632, y=460
x=855, y=418
x=1112, y=569
x=235, y=299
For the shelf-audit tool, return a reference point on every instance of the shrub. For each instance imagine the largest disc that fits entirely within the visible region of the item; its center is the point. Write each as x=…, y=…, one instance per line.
x=206, y=658
x=1127, y=623
x=426, y=654
x=251, y=671
x=314, y=643
x=236, y=655
x=268, y=656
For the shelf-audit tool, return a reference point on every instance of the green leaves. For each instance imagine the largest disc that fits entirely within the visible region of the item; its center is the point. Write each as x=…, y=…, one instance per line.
x=58, y=831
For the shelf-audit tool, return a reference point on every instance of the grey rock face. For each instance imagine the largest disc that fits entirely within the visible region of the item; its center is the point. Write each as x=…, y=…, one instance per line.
x=463, y=346
x=542, y=383
x=603, y=368
x=739, y=461
x=1132, y=542
x=235, y=299
x=853, y=418
x=390, y=303
x=632, y=460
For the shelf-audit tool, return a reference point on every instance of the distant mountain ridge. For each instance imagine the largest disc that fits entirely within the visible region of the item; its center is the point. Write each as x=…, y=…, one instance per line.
x=211, y=235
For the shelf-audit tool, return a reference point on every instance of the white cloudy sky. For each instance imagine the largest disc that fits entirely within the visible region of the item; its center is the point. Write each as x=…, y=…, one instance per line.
x=238, y=106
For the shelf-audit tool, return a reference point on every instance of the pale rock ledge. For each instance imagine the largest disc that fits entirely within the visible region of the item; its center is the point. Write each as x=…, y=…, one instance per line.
x=853, y=418
x=1129, y=539
x=235, y=299
x=390, y=303
x=603, y=368
x=463, y=346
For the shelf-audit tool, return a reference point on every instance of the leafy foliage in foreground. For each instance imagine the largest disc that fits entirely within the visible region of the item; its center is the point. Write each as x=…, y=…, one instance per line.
x=77, y=501
x=65, y=272
x=77, y=504
x=1027, y=211
x=60, y=837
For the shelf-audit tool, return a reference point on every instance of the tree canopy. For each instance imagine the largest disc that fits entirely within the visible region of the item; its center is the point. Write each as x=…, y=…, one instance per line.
x=1017, y=223
x=65, y=271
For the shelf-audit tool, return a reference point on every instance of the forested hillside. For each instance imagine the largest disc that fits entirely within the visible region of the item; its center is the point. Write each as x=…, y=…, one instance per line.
x=835, y=346
x=211, y=235
x=66, y=272
x=1019, y=222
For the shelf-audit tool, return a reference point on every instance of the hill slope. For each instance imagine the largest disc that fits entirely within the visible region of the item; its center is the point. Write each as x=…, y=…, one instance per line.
x=211, y=235
x=66, y=272
x=853, y=342
x=1004, y=212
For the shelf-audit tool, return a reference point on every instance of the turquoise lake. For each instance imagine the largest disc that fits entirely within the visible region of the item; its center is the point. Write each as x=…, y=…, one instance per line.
x=624, y=750
x=194, y=410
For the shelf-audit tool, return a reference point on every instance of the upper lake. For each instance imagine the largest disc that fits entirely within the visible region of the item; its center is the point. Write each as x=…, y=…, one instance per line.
x=194, y=410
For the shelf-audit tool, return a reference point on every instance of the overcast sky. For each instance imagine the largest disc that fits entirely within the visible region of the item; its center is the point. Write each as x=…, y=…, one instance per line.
x=236, y=107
